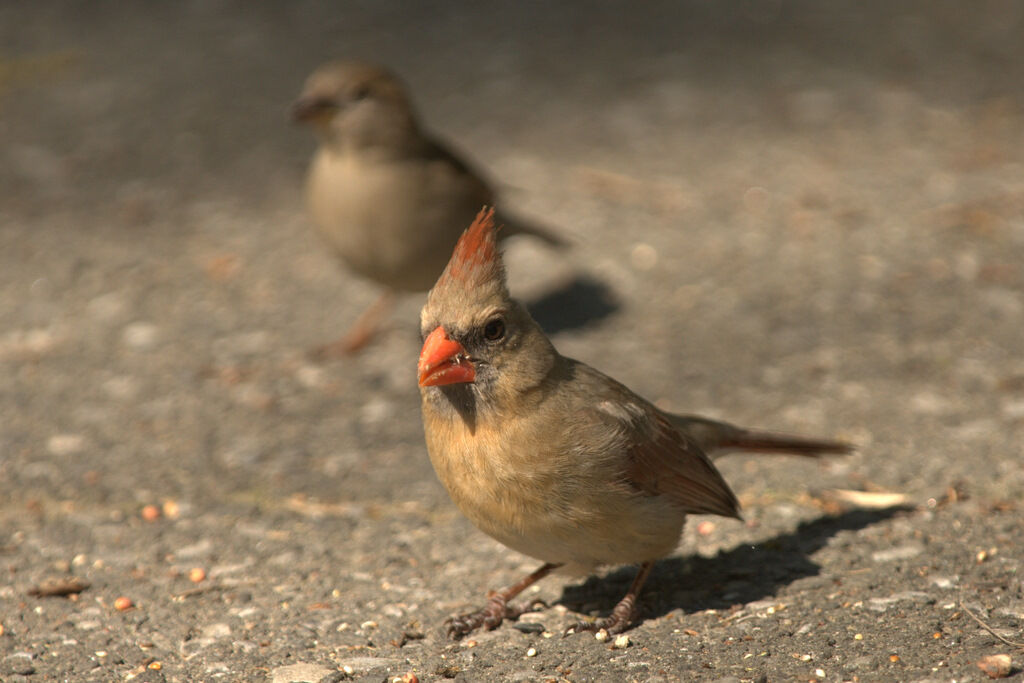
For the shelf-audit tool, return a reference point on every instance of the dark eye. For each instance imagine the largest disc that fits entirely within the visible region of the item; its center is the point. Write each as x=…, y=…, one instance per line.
x=494, y=329
x=360, y=92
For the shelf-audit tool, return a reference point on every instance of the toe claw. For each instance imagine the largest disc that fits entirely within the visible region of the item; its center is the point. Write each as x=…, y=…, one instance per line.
x=578, y=627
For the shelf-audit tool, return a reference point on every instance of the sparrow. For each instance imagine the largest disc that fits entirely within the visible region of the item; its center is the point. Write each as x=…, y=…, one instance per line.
x=551, y=457
x=386, y=196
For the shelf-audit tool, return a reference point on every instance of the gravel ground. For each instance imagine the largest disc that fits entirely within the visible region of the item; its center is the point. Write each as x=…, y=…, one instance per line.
x=799, y=215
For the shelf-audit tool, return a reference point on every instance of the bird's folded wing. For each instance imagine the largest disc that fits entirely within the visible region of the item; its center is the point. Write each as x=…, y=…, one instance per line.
x=664, y=462
x=658, y=459
x=464, y=181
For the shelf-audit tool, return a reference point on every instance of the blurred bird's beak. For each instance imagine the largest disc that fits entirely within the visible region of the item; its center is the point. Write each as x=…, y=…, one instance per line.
x=444, y=361
x=312, y=109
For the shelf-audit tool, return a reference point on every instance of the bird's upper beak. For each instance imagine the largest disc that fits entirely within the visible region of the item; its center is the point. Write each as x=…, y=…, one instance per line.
x=444, y=361
x=313, y=109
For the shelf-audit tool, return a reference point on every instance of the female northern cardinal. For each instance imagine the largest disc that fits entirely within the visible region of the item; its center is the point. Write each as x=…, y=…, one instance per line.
x=549, y=456
x=386, y=196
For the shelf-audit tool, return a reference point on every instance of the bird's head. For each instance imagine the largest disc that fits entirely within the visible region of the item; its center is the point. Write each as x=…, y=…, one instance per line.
x=356, y=104
x=479, y=343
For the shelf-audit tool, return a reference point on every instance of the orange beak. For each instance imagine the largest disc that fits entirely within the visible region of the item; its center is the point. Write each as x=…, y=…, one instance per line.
x=444, y=361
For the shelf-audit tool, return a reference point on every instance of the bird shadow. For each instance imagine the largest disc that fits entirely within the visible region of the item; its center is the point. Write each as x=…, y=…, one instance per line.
x=581, y=301
x=738, y=576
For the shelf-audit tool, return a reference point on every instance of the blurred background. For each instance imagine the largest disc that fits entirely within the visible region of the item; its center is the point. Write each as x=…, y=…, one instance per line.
x=804, y=215
x=801, y=215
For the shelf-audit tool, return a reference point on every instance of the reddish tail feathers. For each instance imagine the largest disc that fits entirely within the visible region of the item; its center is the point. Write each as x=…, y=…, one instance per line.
x=718, y=438
x=766, y=442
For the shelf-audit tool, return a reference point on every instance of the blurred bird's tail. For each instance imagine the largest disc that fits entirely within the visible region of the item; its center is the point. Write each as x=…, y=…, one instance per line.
x=718, y=438
x=514, y=225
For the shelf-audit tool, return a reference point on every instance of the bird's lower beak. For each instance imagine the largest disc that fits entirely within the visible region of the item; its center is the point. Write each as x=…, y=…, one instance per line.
x=316, y=110
x=444, y=361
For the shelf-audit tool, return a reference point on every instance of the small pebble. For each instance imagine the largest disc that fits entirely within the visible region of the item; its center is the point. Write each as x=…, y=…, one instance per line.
x=65, y=444
x=121, y=387
x=310, y=376
x=18, y=342
x=621, y=642
x=218, y=630
x=901, y=552
x=643, y=256
x=196, y=574
x=377, y=410
x=123, y=603
x=150, y=513
x=996, y=666
x=532, y=652
x=140, y=335
x=172, y=510
x=601, y=636
x=296, y=673
x=106, y=306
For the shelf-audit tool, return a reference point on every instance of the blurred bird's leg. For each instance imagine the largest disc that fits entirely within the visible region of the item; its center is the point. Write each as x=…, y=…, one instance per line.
x=362, y=331
x=497, y=608
x=624, y=612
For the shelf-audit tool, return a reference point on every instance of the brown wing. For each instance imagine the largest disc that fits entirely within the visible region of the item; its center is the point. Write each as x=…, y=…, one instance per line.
x=664, y=462
x=472, y=183
x=659, y=460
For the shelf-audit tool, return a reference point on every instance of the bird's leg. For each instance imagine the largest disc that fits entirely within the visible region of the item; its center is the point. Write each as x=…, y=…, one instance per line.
x=362, y=331
x=497, y=608
x=622, y=616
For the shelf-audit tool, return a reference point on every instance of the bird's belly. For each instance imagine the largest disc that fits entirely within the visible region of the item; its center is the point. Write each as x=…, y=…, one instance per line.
x=384, y=222
x=551, y=517
x=585, y=535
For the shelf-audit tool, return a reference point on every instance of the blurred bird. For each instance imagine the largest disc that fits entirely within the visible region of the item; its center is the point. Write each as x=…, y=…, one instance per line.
x=387, y=197
x=551, y=457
